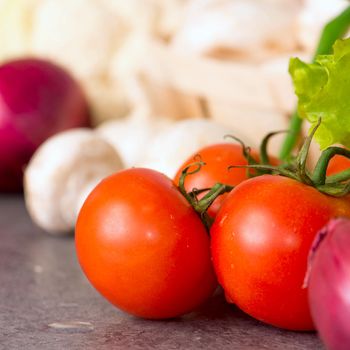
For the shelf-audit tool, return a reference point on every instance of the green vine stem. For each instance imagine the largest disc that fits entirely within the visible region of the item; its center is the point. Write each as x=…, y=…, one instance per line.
x=263, y=159
x=337, y=185
x=185, y=172
x=270, y=169
x=336, y=190
x=333, y=30
x=339, y=177
x=210, y=194
x=201, y=206
x=319, y=175
x=264, y=156
x=245, y=149
x=302, y=157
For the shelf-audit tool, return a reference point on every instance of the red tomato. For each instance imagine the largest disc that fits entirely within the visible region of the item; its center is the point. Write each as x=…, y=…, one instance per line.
x=143, y=247
x=338, y=164
x=260, y=243
x=218, y=158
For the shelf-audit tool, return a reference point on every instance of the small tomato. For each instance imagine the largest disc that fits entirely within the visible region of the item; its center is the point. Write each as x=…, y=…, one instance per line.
x=217, y=158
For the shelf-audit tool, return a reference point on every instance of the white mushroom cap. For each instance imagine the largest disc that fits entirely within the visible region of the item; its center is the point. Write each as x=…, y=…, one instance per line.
x=61, y=174
x=171, y=147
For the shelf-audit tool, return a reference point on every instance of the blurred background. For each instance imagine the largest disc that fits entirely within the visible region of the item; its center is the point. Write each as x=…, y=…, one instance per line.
x=156, y=79
x=225, y=59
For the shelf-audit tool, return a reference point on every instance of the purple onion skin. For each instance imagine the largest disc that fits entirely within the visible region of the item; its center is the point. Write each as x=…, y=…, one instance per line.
x=329, y=284
x=37, y=100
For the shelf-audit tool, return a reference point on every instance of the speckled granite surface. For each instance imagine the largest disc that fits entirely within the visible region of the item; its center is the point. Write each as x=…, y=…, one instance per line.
x=46, y=303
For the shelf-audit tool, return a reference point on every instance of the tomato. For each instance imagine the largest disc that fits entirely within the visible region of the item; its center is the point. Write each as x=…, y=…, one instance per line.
x=260, y=243
x=217, y=158
x=143, y=247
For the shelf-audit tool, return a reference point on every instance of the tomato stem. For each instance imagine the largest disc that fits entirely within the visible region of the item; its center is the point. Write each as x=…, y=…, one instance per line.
x=245, y=149
x=335, y=189
x=201, y=206
x=271, y=169
x=218, y=189
x=264, y=157
x=185, y=172
x=303, y=155
x=336, y=185
x=339, y=177
x=319, y=175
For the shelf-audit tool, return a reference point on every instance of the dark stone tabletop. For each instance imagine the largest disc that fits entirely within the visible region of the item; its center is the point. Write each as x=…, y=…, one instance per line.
x=47, y=303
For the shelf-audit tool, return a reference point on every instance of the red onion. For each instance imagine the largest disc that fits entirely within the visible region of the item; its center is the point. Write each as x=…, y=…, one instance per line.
x=37, y=100
x=329, y=284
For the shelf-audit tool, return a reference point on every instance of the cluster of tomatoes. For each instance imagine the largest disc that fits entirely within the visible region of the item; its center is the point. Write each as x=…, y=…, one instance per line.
x=144, y=247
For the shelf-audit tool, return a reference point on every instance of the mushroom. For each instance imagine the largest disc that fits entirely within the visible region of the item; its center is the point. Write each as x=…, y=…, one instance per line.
x=62, y=173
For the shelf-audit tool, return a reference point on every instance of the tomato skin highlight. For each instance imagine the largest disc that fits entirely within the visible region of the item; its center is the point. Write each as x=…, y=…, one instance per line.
x=143, y=247
x=260, y=243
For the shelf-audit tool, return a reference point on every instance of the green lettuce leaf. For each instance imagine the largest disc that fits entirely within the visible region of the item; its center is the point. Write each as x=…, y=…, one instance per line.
x=323, y=90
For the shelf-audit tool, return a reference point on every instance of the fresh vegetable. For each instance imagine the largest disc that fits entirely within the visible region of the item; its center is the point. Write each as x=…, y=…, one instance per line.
x=218, y=158
x=62, y=172
x=329, y=284
x=264, y=230
x=263, y=233
x=37, y=100
x=322, y=89
x=143, y=246
x=260, y=242
x=333, y=30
